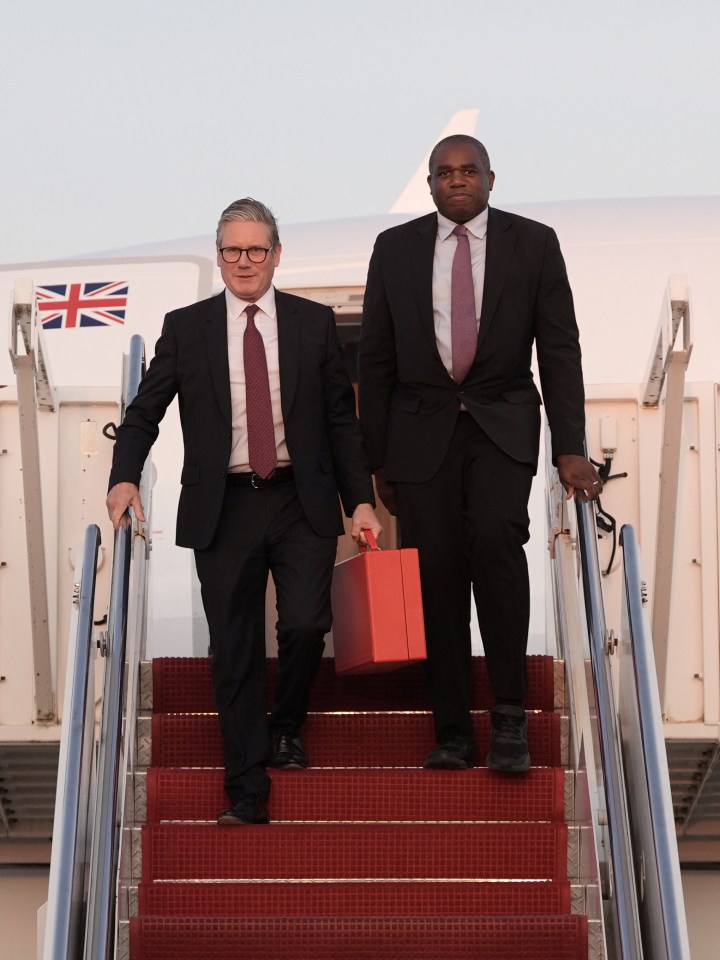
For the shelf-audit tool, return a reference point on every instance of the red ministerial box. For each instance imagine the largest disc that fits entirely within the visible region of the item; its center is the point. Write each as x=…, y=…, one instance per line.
x=377, y=611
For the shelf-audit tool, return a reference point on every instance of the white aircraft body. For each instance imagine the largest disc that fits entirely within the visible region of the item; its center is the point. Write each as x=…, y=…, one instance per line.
x=621, y=256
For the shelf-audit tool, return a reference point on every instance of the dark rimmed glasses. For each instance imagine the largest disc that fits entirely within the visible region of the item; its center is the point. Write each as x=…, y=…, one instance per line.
x=254, y=254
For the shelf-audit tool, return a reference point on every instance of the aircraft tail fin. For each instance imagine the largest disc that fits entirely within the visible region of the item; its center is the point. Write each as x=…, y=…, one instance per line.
x=415, y=198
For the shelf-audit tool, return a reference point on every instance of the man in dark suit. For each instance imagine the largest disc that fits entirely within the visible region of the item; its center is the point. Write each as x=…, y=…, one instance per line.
x=270, y=440
x=451, y=418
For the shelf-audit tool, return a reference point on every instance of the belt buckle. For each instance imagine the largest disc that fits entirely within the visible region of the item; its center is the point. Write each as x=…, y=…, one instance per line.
x=253, y=478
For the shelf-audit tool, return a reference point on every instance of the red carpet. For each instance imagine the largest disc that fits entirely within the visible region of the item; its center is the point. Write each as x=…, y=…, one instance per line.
x=361, y=938
x=367, y=795
x=182, y=685
x=368, y=856
x=389, y=899
x=344, y=740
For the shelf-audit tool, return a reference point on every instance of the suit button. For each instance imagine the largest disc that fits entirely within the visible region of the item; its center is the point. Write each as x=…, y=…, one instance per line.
x=461, y=394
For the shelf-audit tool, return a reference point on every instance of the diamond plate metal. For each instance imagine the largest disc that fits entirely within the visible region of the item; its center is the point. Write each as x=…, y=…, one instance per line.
x=136, y=855
x=145, y=699
x=144, y=742
x=578, y=899
x=123, y=905
x=570, y=796
x=123, y=944
x=559, y=692
x=140, y=795
x=596, y=941
x=564, y=741
x=573, y=854
x=132, y=901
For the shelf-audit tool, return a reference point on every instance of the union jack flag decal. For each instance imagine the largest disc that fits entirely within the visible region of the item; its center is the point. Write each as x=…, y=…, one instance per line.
x=82, y=304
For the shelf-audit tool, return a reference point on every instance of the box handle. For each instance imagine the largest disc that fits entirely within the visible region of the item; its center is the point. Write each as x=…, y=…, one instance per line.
x=371, y=542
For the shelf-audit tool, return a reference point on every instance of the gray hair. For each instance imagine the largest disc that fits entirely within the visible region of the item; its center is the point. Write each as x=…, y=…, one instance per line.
x=248, y=209
x=462, y=138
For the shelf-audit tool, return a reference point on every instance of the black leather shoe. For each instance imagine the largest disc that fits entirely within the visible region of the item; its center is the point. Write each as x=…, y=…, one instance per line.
x=457, y=753
x=251, y=809
x=508, y=740
x=287, y=753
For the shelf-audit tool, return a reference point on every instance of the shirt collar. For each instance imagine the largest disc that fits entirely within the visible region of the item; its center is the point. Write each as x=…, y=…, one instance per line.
x=477, y=226
x=236, y=306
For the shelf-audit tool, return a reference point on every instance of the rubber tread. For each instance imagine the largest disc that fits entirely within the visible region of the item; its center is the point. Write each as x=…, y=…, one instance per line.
x=364, y=795
x=183, y=684
x=360, y=938
x=345, y=740
x=353, y=899
x=355, y=851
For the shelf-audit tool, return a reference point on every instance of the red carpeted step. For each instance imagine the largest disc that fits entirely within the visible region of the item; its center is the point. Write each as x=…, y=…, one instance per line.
x=355, y=851
x=360, y=938
x=345, y=740
x=390, y=899
x=367, y=795
x=182, y=684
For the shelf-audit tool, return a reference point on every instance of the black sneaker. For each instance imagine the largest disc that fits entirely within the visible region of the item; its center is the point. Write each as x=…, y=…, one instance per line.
x=508, y=742
x=457, y=753
x=287, y=753
x=251, y=809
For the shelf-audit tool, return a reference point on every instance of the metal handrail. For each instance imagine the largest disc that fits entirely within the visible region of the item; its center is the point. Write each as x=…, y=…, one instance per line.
x=135, y=370
x=662, y=908
x=102, y=889
x=104, y=856
x=65, y=909
x=86, y=833
x=622, y=894
x=618, y=734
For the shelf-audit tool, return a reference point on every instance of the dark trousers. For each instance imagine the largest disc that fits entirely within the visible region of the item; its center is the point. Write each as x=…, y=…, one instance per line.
x=469, y=523
x=263, y=531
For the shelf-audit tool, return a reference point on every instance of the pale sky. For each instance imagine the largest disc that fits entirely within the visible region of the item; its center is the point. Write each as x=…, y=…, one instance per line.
x=125, y=123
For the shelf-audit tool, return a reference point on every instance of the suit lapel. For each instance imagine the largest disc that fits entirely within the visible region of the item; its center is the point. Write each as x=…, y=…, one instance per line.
x=217, y=348
x=288, y=321
x=498, y=254
x=422, y=257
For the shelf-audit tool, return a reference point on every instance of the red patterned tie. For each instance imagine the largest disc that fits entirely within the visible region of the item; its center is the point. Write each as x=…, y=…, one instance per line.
x=463, y=320
x=261, y=433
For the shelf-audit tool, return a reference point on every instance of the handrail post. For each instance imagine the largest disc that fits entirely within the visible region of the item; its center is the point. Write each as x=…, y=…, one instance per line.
x=624, y=892
x=668, y=365
x=33, y=391
x=662, y=908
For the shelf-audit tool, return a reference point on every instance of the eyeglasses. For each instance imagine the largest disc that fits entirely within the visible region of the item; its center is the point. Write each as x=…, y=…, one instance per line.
x=254, y=254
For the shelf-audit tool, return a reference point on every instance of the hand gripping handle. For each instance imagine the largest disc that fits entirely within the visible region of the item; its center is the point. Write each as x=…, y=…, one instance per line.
x=371, y=542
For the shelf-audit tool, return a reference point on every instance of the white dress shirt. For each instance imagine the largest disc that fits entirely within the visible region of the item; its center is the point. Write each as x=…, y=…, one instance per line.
x=266, y=323
x=445, y=246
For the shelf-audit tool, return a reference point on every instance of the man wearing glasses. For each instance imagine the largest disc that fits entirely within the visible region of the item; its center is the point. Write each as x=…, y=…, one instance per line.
x=270, y=440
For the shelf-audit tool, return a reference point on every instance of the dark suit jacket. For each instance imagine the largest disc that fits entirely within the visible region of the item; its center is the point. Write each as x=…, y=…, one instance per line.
x=318, y=404
x=408, y=401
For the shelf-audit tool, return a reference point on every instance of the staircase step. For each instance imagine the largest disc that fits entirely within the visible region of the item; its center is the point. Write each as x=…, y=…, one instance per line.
x=391, y=898
x=437, y=851
x=368, y=795
x=345, y=740
x=368, y=856
x=360, y=938
x=183, y=684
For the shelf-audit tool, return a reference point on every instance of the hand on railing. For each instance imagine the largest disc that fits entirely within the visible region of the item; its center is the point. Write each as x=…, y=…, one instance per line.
x=578, y=476
x=119, y=498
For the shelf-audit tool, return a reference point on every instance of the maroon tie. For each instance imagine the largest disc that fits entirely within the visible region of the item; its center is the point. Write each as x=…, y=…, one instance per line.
x=261, y=433
x=463, y=320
